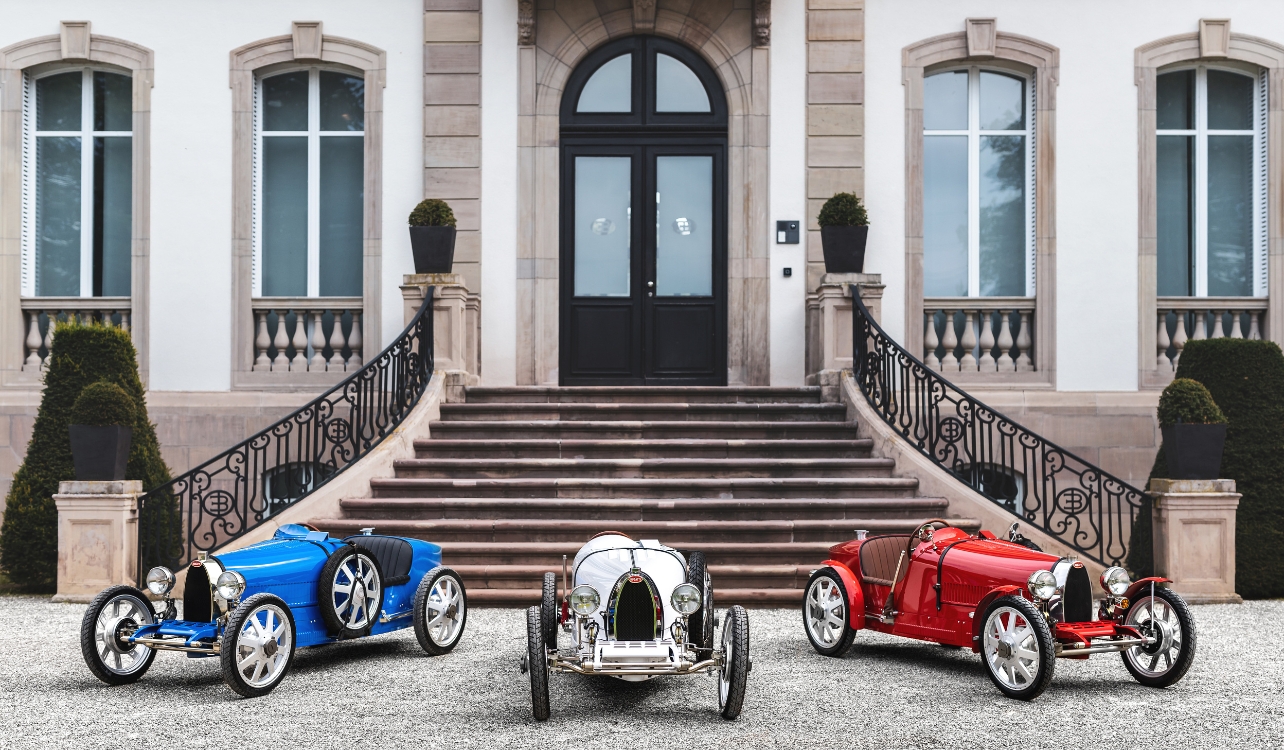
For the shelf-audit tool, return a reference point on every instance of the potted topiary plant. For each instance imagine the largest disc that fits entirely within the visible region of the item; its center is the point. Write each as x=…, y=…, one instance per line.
x=1194, y=430
x=101, y=428
x=844, y=228
x=432, y=236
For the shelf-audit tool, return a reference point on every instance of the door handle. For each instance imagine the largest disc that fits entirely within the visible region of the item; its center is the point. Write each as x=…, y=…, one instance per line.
x=650, y=283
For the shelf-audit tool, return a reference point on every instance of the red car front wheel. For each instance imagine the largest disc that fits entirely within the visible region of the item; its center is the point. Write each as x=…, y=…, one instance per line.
x=1017, y=648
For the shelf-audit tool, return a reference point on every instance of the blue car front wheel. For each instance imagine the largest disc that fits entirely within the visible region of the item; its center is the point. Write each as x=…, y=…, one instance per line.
x=441, y=610
x=257, y=645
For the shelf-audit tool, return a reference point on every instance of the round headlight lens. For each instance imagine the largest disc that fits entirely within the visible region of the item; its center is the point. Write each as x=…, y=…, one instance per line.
x=160, y=580
x=230, y=585
x=685, y=598
x=1042, y=584
x=1115, y=581
x=584, y=600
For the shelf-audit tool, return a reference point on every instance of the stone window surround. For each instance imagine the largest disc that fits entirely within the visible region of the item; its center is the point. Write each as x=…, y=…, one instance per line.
x=1212, y=43
x=543, y=73
x=74, y=46
x=306, y=44
x=982, y=45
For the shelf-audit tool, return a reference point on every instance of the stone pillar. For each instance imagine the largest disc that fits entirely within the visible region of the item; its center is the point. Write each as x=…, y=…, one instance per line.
x=829, y=326
x=97, y=537
x=1194, y=537
x=456, y=327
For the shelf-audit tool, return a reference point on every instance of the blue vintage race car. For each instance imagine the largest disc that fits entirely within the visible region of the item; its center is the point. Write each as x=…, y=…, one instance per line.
x=253, y=607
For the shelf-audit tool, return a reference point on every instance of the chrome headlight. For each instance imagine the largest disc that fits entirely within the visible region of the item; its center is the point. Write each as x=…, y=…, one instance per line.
x=584, y=600
x=1042, y=584
x=1115, y=581
x=230, y=585
x=685, y=598
x=160, y=580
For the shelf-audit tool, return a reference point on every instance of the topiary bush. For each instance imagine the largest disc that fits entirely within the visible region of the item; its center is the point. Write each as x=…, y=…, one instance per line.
x=843, y=210
x=103, y=404
x=80, y=356
x=1189, y=402
x=432, y=213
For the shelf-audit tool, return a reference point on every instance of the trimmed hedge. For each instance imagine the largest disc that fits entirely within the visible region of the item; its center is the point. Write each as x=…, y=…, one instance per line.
x=80, y=355
x=842, y=210
x=1188, y=401
x=432, y=212
x=103, y=404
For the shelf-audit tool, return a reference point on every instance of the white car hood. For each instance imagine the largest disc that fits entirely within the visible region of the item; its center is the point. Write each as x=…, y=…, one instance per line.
x=602, y=561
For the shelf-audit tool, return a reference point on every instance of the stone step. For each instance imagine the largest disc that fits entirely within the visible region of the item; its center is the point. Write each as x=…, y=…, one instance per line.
x=722, y=598
x=380, y=510
x=517, y=448
x=549, y=554
x=816, y=487
x=783, y=576
x=640, y=468
x=641, y=430
x=643, y=394
x=670, y=412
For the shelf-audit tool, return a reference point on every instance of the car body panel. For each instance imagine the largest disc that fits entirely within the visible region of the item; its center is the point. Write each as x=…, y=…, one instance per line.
x=855, y=597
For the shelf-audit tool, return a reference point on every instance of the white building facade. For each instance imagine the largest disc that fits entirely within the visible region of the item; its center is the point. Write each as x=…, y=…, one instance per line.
x=1060, y=194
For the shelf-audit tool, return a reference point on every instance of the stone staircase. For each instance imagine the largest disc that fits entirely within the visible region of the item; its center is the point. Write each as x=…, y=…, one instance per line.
x=763, y=480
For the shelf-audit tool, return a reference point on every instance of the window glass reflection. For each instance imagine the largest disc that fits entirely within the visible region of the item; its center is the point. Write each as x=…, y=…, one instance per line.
x=1230, y=100
x=285, y=101
x=1003, y=220
x=677, y=87
x=1002, y=102
x=684, y=226
x=945, y=222
x=945, y=101
x=610, y=88
x=603, y=189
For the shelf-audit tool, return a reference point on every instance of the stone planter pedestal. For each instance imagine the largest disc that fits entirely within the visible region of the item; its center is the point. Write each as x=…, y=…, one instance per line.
x=97, y=537
x=829, y=326
x=1194, y=537
x=456, y=327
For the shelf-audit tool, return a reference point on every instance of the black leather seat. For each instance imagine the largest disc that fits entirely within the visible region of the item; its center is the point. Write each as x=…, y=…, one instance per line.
x=394, y=555
x=878, y=558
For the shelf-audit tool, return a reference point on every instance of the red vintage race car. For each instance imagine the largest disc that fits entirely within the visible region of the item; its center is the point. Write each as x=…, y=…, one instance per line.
x=1020, y=608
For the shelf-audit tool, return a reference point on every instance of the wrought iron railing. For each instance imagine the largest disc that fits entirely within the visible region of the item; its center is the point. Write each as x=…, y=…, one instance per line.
x=237, y=490
x=1045, y=485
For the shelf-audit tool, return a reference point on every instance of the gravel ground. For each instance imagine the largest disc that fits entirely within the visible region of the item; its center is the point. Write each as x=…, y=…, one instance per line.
x=888, y=692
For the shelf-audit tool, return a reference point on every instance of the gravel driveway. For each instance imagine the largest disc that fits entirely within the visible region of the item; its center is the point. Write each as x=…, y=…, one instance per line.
x=887, y=693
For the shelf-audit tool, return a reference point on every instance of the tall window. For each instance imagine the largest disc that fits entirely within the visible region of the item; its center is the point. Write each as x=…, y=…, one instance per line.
x=77, y=184
x=309, y=177
x=1211, y=199
x=978, y=205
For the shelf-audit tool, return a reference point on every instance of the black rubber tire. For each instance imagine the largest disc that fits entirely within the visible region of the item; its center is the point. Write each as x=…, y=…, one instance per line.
x=701, y=623
x=325, y=593
x=548, y=610
x=735, y=631
x=537, y=664
x=1187, y=655
x=229, y=648
x=426, y=641
x=89, y=644
x=1047, y=648
x=849, y=633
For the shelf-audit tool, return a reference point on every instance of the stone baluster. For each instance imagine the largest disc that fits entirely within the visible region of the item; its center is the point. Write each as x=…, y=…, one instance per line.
x=336, y=343
x=1023, y=363
x=281, y=363
x=124, y=320
x=968, y=363
x=950, y=342
x=106, y=316
x=1005, y=363
x=1254, y=330
x=300, y=361
x=1179, y=336
x=987, y=342
x=1217, y=324
x=1236, y=331
x=49, y=334
x=261, y=343
x=317, y=363
x=33, y=343
x=930, y=342
x=1201, y=325
x=1162, y=342
x=354, y=342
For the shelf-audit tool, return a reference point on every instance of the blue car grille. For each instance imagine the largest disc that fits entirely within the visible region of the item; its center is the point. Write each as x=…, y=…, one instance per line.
x=198, y=598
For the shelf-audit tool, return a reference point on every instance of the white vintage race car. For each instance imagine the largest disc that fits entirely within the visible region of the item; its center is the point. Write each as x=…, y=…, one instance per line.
x=635, y=610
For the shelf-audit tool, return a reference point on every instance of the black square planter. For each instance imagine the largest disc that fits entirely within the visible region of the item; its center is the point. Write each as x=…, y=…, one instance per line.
x=433, y=248
x=844, y=248
x=1194, y=451
x=100, y=453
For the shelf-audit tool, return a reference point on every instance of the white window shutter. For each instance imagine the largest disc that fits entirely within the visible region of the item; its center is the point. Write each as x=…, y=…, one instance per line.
x=1032, y=200
x=30, y=262
x=256, y=250
x=1261, y=190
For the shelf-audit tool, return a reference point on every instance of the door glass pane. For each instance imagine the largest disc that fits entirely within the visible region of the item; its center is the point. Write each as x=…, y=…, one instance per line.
x=342, y=170
x=1230, y=101
x=342, y=101
x=945, y=216
x=945, y=101
x=285, y=101
x=610, y=88
x=1002, y=102
x=1230, y=215
x=1175, y=100
x=602, y=228
x=1003, y=224
x=113, y=192
x=58, y=216
x=58, y=102
x=1176, y=212
x=285, y=216
x=113, y=102
x=684, y=226
x=677, y=87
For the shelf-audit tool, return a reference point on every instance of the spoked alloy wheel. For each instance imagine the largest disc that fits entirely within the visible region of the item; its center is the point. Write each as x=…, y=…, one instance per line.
x=735, y=664
x=1165, y=617
x=1017, y=648
x=825, y=614
x=351, y=592
x=258, y=645
x=111, y=618
x=441, y=610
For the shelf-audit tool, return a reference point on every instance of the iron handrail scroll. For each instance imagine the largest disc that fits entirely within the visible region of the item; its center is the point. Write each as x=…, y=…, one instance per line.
x=230, y=494
x=1042, y=483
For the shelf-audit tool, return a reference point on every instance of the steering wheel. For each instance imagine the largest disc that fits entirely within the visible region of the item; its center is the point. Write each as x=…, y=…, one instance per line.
x=309, y=527
x=925, y=530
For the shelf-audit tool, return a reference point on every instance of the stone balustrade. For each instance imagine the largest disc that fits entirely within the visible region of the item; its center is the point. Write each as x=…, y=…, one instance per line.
x=307, y=334
x=978, y=334
x=1182, y=319
x=39, y=312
